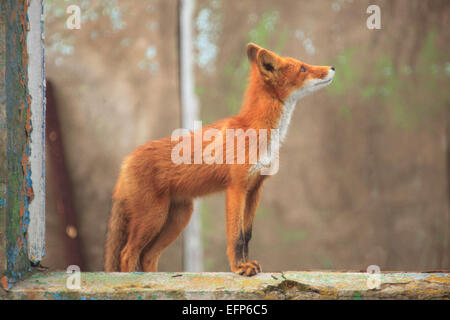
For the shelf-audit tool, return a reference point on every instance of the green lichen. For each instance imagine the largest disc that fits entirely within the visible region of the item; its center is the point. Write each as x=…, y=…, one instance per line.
x=292, y=236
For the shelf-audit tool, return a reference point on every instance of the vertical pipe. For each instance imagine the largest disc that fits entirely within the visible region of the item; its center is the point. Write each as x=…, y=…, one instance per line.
x=193, y=251
x=36, y=87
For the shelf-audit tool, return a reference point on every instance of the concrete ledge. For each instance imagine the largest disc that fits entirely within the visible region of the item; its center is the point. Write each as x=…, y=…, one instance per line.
x=286, y=285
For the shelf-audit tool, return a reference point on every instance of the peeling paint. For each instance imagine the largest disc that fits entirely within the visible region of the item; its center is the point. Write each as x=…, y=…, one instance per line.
x=16, y=103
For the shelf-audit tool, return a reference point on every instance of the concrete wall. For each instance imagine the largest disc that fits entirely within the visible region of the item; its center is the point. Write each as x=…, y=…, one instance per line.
x=364, y=171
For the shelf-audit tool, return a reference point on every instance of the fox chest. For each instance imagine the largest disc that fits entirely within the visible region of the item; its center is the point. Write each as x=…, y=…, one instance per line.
x=269, y=157
x=285, y=119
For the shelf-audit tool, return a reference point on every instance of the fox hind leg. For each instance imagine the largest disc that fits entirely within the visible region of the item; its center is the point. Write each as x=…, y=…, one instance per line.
x=144, y=227
x=179, y=215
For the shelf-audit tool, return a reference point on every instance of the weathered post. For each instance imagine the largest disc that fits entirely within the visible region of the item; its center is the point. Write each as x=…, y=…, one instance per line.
x=36, y=87
x=21, y=141
x=192, y=247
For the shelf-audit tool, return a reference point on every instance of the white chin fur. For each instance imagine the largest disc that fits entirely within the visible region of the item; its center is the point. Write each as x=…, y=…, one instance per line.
x=286, y=114
x=289, y=105
x=310, y=86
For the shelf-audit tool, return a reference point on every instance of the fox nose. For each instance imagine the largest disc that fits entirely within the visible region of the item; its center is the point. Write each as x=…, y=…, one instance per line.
x=332, y=68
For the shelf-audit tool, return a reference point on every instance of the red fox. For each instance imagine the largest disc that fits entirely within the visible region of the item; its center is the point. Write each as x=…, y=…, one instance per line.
x=152, y=200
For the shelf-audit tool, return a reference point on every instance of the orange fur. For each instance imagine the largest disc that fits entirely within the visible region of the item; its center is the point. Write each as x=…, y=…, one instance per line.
x=153, y=196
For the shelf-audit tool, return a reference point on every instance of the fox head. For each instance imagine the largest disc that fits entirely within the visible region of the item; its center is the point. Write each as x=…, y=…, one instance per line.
x=288, y=78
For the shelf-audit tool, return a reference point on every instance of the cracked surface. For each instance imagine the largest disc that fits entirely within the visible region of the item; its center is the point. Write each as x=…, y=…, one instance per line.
x=284, y=285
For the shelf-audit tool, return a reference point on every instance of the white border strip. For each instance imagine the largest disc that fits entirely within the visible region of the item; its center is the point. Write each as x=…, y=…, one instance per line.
x=36, y=87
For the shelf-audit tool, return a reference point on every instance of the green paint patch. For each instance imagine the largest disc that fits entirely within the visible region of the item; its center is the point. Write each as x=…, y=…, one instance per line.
x=326, y=262
x=209, y=264
x=282, y=41
x=292, y=236
x=265, y=27
x=348, y=75
x=264, y=212
x=237, y=68
x=357, y=296
x=429, y=54
x=199, y=90
x=206, y=222
x=411, y=94
x=346, y=112
x=368, y=92
x=416, y=99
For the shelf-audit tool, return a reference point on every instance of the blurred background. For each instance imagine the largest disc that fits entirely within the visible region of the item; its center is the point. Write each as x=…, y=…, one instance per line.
x=364, y=173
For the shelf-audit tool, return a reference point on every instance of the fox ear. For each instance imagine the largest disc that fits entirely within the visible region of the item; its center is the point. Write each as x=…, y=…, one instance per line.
x=268, y=63
x=252, y=51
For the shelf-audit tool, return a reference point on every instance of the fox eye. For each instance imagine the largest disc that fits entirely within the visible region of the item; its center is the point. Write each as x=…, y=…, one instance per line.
x=268, y=67
x=302, y=69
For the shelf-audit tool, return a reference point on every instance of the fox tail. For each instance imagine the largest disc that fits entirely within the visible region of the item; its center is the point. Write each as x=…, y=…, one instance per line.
x=116, y=237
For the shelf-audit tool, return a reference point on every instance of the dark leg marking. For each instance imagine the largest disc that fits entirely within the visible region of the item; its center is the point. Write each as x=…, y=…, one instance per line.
x=247, y=237
x=239, y=249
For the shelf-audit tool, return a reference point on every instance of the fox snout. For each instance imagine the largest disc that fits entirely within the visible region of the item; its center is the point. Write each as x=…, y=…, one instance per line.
x=321, y=72
x=329, y=76
x=332, y=70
